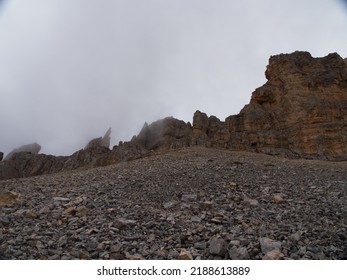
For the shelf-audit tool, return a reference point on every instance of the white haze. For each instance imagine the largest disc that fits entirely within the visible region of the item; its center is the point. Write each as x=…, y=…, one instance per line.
x=70, y=69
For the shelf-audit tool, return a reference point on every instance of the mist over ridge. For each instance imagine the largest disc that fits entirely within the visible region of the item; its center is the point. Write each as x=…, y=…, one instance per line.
x=69, y=71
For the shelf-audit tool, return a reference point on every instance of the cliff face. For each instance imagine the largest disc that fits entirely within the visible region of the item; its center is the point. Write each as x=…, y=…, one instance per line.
x=301, y=111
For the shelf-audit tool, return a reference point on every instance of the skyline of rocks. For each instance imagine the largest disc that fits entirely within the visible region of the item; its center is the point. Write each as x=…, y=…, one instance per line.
x=300, y=112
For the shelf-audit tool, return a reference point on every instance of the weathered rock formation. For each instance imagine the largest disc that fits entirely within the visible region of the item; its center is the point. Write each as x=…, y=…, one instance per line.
x=301, y=111
x=204, y=128
x=101, y=141
x=168, y=133
x=24, y=164
x=33, y=148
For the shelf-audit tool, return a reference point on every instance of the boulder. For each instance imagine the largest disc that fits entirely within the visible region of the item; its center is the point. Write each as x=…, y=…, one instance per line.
x=33, y=148
x=1, y=155
x=268, y=244
x=204, y=128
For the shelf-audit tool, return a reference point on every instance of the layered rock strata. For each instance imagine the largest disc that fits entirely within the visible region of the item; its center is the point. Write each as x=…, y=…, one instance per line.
x=301, y=111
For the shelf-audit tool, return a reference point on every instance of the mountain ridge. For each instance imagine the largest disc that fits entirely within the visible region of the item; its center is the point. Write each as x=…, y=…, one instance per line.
x=300, y=112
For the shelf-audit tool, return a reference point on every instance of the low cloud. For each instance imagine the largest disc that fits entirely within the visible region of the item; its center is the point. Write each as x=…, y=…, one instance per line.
x=69, y=70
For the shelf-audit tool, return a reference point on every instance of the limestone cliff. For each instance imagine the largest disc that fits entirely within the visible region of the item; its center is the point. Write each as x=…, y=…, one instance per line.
x=301, y=111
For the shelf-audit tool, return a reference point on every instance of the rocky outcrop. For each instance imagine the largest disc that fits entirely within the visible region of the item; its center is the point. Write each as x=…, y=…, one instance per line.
x=33, y=148
x=24, y=164
x=205, y=128
x=301, y=111
x=168, y=133
x=105, y=141
x=1, y=155
x=101, y=141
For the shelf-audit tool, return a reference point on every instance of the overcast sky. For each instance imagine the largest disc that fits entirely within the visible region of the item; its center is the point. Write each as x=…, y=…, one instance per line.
x=70, y=69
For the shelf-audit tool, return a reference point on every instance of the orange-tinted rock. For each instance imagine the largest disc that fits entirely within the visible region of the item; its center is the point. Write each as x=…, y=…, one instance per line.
x=301, y=111
x=8, y=197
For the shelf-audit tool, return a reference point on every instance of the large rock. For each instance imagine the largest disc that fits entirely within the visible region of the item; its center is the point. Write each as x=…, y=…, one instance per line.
x=204, y=128
x=33, y=148
x=1, y=155
x=301, y=111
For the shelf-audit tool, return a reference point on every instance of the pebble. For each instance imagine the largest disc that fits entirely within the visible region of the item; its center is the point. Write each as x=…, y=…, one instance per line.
x=241, y=253
x=189, y=197
x=185, y=255
x=267, y=245
x=273, y=255
x=151, y=208
x=202, y=245
x=277, y=198
x=218, y=246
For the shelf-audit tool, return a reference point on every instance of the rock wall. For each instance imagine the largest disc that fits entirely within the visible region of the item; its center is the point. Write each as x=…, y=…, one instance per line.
x=301, y=111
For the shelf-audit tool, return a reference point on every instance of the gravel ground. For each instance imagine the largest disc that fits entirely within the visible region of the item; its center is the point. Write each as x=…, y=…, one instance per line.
x=194, y=203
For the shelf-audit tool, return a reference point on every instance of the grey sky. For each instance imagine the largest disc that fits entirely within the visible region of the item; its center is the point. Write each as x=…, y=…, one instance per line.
x=69, y=69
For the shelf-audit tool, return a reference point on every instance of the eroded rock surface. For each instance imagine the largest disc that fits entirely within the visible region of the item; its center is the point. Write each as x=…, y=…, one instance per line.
x=301, y=111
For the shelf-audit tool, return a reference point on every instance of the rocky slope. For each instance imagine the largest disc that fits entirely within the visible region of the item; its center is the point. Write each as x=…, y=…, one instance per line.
x=301, y=112
x=192, y=203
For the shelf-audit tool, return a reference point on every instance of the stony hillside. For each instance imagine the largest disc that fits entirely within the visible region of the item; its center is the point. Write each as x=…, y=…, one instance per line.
x=192, y=203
